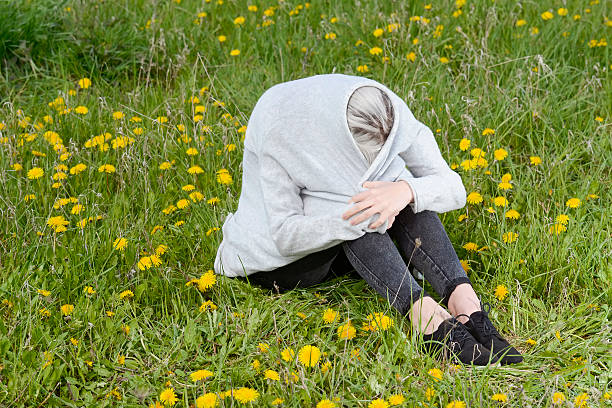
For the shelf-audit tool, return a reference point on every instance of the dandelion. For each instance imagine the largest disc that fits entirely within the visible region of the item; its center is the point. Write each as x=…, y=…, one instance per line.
x=221, y=38
x=378, y=32
x=208, y=400
x=470, y=246
x=35, y=173
x=396, y=399
x=182, y=203
x=207, y=280
x=375, y=50
x=277, y=401
x=245, y=395
x=557, y=228
x=195, y=170
x=271, y=375
x=573, y=202
x=263, y=347
x=106, y=168
x=118, y=115
x=325, y=403
x=346, y=331
x=81, y=110
x=429, y=393
x=77, y=168
x=378, y=403
x=329, y=315
x=558, y=398
x=168, y=397
x=474, y=198
x=120, y=244
x=411, y=56
x=239, y=20
x=84, y=83
x=464, y=144
x=499, y=397
x=223, y=177
x=255, y=364
x=562, y=219
x=444, y=60
x=309, y=355
x=44, y=292
x=288, y=354
x=512, y=214
x=500, y=201
x=436, y=373
x=234, y=52
x=67, y=309
x=379, y=321
x=547, y=15
x=580, y=400
x=200, y=375
x=501, y=292
x=208, y=305
x=126, y=294
x=500, y=154
x=535, y=160
x=509, y=237
x=455, y=404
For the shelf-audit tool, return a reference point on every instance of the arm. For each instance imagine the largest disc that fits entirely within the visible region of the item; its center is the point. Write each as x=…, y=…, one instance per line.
x=292, y=231
x=435, y=186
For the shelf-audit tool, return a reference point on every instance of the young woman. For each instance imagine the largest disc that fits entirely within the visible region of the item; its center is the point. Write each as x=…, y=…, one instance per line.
x=339, y=175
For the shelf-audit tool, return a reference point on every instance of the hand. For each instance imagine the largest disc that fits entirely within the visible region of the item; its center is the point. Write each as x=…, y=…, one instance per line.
x=385, y=197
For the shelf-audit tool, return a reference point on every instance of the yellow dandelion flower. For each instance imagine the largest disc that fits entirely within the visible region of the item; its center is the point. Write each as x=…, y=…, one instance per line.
x=347, y=331
x=558, y=398
x=470, y=246
x=67, y=309
x=512, y=214
x=500, y=292
x=126, y=294
x=271, y=375
x=464, y=144
x=499, y=397
x=378, y=403
x=378, y=32
x=195, y=170
x=396, y=399
x=168, y=397
x=208, y=400
x=329, y=315
x=500, y=201
x=411, y=56
x=375, y=50
x=207, y=280
x=84, y=83
x=288, y=354
x=573, y=202
x=535, y=160
x=325, y=403
x=35, y=173
x=234, y=52
x=245, y=395
x=200, y=375
x=509, y=237
x=309, y=355
x=81, y=110
x=436, y=373
x=474, y=198
x=547, y=15
x=120, y=244
x=456, y=404
x=500, y=154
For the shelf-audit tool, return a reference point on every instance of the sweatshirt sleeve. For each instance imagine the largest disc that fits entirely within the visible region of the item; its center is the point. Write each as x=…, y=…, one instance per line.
x=436, y=187
x=293, y=232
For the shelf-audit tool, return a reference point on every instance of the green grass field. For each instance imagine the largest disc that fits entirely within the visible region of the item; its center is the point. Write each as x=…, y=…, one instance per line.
x=121, y=131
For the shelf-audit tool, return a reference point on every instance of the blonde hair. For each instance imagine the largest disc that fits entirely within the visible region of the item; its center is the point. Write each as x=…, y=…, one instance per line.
x=370, y=118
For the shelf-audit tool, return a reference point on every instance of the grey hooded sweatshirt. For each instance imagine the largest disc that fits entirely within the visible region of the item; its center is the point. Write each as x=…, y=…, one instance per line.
x=301, y=165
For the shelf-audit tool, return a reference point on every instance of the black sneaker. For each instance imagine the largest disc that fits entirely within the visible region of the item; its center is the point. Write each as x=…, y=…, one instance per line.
x=453, y=337
x=483, y=330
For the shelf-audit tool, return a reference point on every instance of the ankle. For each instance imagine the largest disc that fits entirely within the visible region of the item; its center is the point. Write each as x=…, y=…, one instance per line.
x=426, y=315
x=463, y=301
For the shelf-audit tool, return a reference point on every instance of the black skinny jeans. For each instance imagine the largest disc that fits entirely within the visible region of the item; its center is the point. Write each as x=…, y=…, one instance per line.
x=375, y=257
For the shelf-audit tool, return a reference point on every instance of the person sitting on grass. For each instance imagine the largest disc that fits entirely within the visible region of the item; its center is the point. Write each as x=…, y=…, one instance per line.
x=339, y=176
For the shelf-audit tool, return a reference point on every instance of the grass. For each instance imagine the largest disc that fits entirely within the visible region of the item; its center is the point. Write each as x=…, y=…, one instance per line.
x=546, y=94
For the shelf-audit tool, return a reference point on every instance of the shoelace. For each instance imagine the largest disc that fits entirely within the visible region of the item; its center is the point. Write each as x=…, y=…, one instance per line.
x=458, y=334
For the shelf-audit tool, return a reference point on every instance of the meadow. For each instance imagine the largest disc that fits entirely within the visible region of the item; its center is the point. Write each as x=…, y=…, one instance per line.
x=121, y=133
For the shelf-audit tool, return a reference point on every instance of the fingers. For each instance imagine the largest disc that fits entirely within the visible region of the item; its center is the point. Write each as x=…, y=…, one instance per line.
x=365, y=215
x=356, y=208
